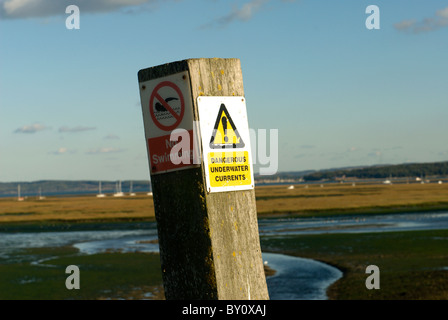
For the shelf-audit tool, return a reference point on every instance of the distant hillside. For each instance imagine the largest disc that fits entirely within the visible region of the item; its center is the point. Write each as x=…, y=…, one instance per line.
x=52, y=187
x=286, y=176
x=385, y=171
x=55, y=187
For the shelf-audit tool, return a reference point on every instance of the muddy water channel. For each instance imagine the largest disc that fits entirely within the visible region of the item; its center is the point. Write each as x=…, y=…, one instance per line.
x=295, y=278
x=354, y=224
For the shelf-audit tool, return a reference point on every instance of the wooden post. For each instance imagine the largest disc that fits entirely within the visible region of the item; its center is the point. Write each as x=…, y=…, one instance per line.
x=209, y=242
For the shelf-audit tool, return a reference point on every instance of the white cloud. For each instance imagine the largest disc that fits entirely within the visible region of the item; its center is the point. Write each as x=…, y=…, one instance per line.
x=245, y=13
x=104, y=150
x=12, y=6
x=375, y=154
x=33, y=128
x=248, y=10
x=61, y=150
x=17, y=9
x=442, y=13
x=76, y=129
x=406, y=24
x=439, y=20
x=111, y=136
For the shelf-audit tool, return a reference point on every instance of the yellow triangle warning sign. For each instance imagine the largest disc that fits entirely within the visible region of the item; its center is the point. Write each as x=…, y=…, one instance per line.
x=225, y=134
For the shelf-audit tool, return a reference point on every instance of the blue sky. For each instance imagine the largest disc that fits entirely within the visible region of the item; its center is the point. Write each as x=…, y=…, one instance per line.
x=338, y=93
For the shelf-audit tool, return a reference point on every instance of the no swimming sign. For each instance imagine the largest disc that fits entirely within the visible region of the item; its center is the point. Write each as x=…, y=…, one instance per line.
x=226, y=143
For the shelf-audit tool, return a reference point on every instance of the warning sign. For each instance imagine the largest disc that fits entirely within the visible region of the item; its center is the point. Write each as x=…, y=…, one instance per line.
x=167, y=106
x=165, y=156
x=225, y=143
x=225, y=134
x=229, y=169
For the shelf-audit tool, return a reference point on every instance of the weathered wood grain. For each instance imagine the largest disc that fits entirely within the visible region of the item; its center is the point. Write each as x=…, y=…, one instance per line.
x=209, y=242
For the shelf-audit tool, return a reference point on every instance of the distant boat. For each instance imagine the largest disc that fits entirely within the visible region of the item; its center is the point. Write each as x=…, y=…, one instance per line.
x=387, y=182
x=40, y=194
x=131, y=193
x=100, y=194
x=118, y=192
x=19, y=198
x=150, y=192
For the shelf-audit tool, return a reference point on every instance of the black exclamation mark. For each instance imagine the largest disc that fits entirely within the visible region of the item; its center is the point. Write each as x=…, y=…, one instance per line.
x=224, y=126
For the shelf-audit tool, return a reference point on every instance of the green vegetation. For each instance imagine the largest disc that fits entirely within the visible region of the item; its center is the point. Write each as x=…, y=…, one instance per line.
x=70, y=210
x=111, y=275
x=413, y=264
x=331, y=199
x=381, y=172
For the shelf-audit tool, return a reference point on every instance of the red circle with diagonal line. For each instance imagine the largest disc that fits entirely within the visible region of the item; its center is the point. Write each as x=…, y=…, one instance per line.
x=177, y=117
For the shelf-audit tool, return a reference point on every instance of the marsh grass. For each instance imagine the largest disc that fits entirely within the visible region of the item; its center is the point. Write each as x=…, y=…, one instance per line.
x=341, y=198
x=271, y=200
x=76, y=209
x=412, y=264
x=111, y=275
